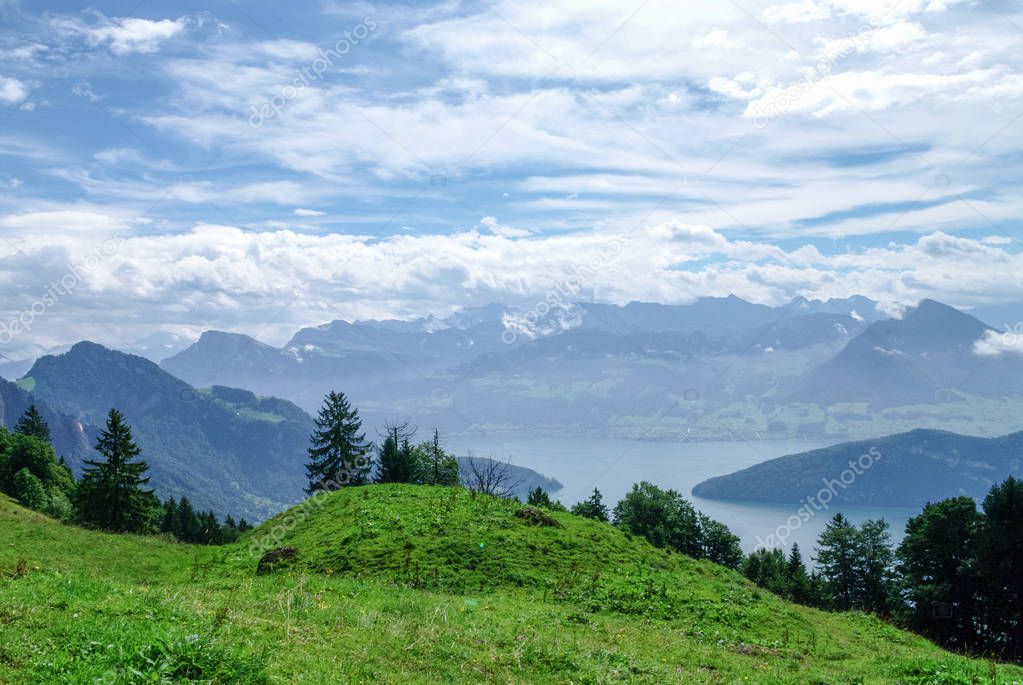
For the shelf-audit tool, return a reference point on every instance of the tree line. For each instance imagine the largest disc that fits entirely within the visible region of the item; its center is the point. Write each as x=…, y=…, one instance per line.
x=956, y=577
x=111, y=494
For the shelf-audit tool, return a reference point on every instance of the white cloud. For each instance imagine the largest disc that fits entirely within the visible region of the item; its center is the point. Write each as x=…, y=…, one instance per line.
x=301, y=211
x=125, y=35
x=995, y=343
x=12, y=90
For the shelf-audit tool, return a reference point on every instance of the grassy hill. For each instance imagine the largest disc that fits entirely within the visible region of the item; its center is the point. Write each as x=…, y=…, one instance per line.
x=420, y=584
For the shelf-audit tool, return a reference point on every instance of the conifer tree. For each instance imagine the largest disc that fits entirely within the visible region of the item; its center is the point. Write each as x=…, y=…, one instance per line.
x=796, y=577
x=397, y=460
x=111, y=494
x=32, y=423
x=337, y=454
x=592, y=507
x=836, y=556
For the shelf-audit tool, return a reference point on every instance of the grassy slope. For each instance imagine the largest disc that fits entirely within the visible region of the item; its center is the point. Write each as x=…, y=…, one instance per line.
x=579, y=604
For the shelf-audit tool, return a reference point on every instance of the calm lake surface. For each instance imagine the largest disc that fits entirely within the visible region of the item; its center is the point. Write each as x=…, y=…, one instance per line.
x=582, y=464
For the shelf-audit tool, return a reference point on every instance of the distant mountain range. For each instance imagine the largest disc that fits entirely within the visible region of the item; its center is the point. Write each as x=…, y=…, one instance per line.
x=714, y=369
x=904, y=470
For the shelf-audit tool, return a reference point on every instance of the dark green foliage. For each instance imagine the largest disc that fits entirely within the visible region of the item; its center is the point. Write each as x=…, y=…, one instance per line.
x=592, y=507
x=27, y=462
x=538, y=497
x=28, y=490
x=768, y=569
x=1000, y=565
x=874, y=567
x=938, y=569
x=19, y=451
x=201, y=528
x=337, y=455
x=436, y=467
x=666, y=519
x=799, y=586
x=111, y=493
x=718, y=543
x=786, y=577
x=856, y=565
x=836, y=557
x=397, y=462
x=32, y=423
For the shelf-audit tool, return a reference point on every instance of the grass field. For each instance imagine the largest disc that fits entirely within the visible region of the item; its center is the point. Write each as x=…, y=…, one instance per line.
x=420, y=584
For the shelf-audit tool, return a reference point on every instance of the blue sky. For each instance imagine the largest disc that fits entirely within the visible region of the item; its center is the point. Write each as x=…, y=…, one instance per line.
x=258, y=167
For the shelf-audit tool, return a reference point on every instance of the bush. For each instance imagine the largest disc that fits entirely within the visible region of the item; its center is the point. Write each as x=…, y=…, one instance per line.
x=28, y=490
x=59, y=506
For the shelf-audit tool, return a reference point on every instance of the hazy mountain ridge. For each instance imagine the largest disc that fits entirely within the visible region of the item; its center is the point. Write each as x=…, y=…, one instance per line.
x=904, y=470
x=226, y=449
x=611, y=363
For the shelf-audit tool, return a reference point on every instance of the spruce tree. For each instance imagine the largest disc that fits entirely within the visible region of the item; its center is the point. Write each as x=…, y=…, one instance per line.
x=592, y=507
x=167, y=522
x=397, y=460
x=338, y=449
x=796, y=577
x=837, y=558
x=32, y=423
x=186, y=527
x=111, y=493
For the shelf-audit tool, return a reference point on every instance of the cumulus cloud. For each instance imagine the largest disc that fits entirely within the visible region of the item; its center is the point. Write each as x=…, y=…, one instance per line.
x=12, y=90
x=995, y=343
x=125, y=35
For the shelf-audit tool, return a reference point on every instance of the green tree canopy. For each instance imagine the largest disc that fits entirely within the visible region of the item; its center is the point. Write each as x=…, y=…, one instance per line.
x=592, y=507
x=28, y=490
x=936, y=561
x=32, y=423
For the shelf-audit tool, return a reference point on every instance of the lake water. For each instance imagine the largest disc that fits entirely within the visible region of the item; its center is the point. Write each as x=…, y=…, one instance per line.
x=582, y=464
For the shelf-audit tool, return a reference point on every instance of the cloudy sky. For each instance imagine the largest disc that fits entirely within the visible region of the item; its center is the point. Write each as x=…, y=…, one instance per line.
x=259, y=166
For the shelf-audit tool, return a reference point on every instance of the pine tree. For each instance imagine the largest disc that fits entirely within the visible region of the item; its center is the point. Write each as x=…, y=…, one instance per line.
x=538, y=497
x=836, y=556
x=436, y=467
x=169, y=518
x=111, y=493
x=397, y=461
x=592, y=507
x=795, y=575
x=874, y=561
x=1000, y=562
x=186, y=525
x=32, y=423
x=337, y=454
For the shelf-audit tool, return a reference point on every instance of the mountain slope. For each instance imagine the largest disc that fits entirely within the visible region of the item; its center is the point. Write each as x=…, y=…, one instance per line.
x=904, y=470
x=67, y=434
x=87, y=605
x=928, y=355
x=227, y=450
